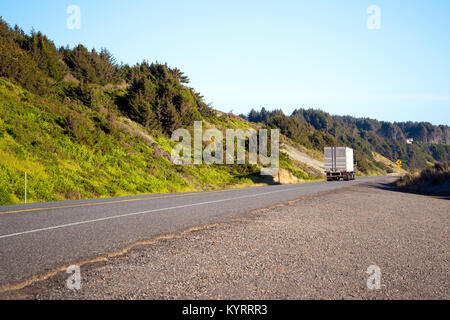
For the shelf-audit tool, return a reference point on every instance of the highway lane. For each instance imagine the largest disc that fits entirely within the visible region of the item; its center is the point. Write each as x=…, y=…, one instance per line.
x=37, y=238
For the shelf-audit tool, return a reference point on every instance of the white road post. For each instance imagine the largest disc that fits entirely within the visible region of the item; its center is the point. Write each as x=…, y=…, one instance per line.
x=25, y=187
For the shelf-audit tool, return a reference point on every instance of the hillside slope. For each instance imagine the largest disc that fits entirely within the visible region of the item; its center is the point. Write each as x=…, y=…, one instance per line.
x=71, y=151
x=316, y=129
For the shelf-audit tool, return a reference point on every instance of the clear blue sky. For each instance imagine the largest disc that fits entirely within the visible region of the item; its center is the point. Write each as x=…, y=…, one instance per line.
x=274, y=54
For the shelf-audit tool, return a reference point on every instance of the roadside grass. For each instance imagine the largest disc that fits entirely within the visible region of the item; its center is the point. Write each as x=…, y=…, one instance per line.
x=431, y=180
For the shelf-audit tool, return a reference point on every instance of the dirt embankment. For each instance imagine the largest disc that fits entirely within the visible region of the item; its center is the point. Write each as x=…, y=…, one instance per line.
x=302, y=157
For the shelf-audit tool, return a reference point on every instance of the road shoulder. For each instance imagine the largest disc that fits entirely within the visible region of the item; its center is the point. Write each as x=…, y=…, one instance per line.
x=318, y=247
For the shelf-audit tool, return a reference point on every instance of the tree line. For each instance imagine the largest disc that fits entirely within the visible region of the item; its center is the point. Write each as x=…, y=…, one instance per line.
x=153, y=94
x=316, y=129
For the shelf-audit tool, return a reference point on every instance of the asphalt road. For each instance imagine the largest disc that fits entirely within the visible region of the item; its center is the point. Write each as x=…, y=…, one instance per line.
x=38, y=238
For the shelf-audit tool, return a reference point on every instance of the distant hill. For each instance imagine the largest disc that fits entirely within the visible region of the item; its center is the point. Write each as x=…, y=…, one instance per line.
x=315, y=129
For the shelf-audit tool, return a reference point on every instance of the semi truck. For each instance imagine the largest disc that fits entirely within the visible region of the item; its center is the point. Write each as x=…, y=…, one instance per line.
x=339, y=163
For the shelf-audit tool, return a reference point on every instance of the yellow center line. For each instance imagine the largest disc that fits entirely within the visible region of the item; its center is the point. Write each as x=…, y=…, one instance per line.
x=115, y=201
x=95, y=203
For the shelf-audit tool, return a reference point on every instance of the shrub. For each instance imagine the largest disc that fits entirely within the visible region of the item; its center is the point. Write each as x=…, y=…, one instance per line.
x=432, y=176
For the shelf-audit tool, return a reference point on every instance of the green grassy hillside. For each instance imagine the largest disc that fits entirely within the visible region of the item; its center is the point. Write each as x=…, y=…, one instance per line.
x=71, y=151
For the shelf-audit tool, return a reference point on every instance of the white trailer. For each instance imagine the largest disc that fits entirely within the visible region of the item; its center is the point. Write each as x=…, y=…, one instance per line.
x=339, y=163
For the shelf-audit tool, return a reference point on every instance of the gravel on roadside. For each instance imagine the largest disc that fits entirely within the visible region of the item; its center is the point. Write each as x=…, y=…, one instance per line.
x=318, y=247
